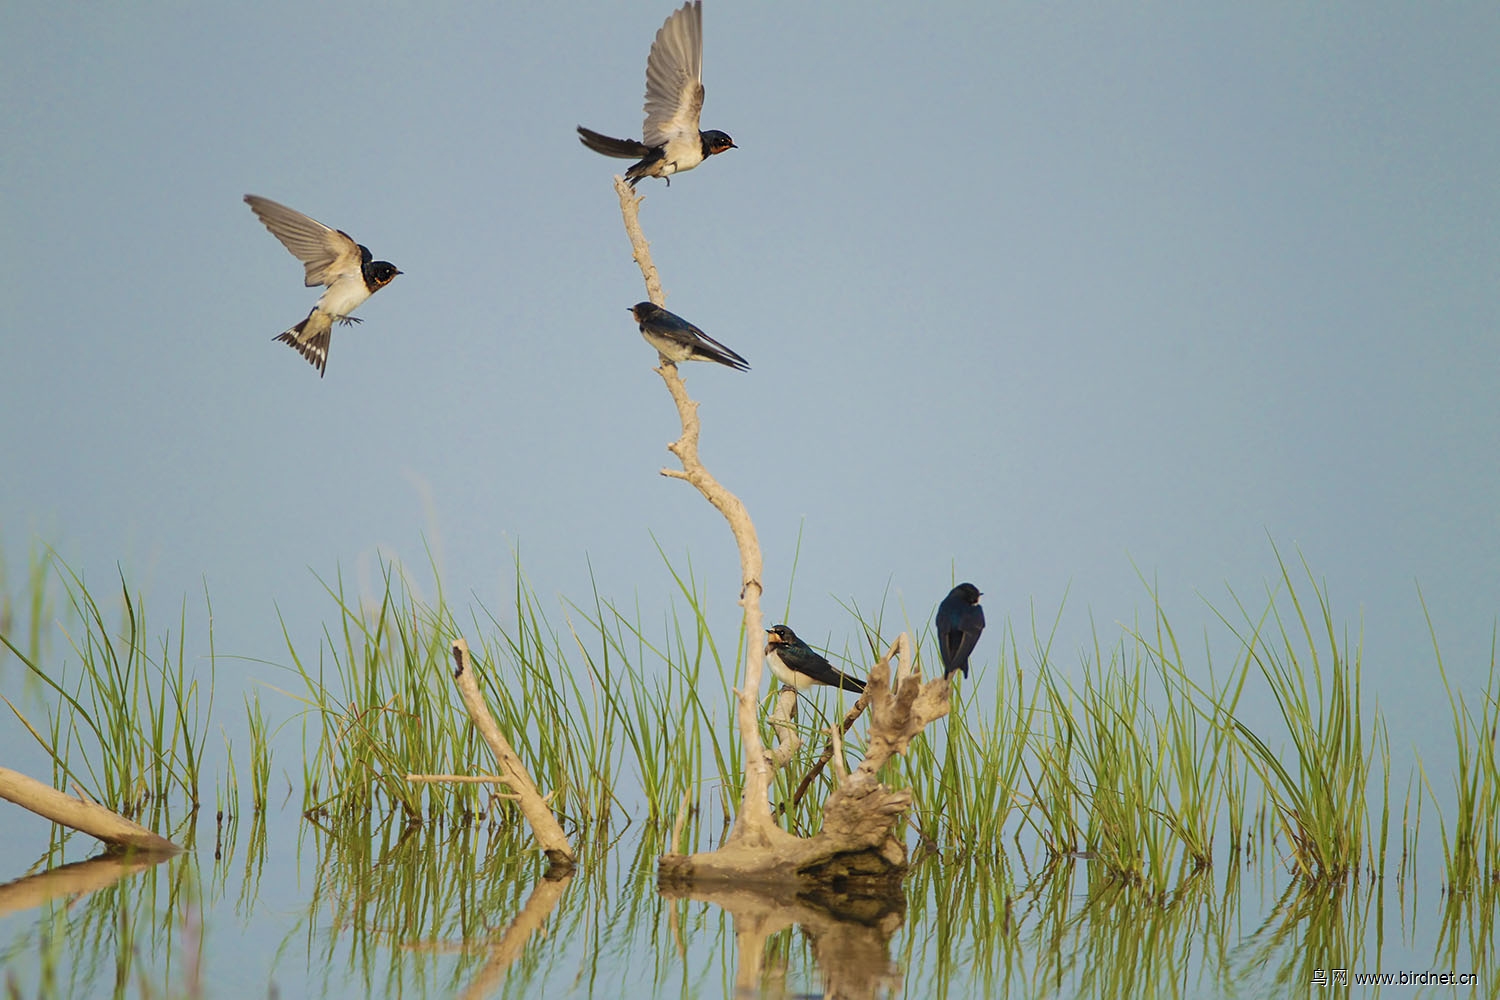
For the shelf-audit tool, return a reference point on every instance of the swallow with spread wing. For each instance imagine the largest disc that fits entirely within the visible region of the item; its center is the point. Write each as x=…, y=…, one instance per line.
x=332, y=258
x=670, y=139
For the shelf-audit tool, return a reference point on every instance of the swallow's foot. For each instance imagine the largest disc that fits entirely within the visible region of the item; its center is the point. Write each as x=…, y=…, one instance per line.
x=350, y=320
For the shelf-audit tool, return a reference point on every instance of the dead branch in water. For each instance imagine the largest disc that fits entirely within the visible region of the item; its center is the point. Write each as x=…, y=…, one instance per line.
x=534, y=806
x=79, y=814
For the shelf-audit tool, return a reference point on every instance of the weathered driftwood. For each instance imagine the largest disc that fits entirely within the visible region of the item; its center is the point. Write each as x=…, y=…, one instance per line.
x=533, y=804
x=834, y=738
x=81, y=815
x=859, y=841
x=861, y=816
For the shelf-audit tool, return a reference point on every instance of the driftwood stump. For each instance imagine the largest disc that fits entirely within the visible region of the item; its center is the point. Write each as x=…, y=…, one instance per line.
x=858, y=851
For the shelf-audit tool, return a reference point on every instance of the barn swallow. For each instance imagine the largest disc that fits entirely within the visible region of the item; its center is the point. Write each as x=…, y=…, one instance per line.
x=796, y=664
x=333, y=259
x=959, y=621
x=670, y=140
x=675, y=339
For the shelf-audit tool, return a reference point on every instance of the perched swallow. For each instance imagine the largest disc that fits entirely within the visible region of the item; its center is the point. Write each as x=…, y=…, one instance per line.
x=959, y=621
x=670, y=140
x=333, y=259
x=675, y=339
x=796, y=664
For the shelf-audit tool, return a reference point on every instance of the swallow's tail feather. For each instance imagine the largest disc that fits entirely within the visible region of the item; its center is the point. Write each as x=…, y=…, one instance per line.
x=956, y=647
x=851, y=684
x=713, y=350
x=310, y=338
x=625, y=149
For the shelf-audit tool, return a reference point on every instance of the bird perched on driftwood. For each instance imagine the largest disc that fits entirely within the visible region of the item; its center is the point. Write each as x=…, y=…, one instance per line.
x=797, y=665
x=959, y=621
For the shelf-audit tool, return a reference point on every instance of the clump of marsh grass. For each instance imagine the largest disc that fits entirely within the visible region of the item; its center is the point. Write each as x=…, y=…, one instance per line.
x=1471, y=846
x=1321, y=802
x=666, y=699
x=967, y=786
x=382, y=707
x=131, y=718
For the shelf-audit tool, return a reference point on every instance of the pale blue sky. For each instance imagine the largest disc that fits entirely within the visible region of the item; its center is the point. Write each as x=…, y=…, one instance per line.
x=1029, y=292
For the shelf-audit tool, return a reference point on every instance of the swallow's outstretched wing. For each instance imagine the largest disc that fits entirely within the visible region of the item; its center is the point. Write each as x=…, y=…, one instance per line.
x=328, y=254
x=674, y=78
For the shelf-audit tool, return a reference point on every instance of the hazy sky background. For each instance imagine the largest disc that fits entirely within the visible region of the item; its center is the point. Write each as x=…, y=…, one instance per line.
x=1033, y=295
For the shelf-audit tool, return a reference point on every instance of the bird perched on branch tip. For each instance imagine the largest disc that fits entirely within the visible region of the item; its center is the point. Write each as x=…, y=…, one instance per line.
x=670, y=140
x=959, y=621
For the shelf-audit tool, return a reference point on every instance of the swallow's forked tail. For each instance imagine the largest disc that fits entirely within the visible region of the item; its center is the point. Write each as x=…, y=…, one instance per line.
x=310, y=337
x=625, y=149
x=850, y=683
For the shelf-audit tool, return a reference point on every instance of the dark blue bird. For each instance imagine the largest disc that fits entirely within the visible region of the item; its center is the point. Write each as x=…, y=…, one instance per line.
x=675, y=339
x=797, y=665
x=959, y=621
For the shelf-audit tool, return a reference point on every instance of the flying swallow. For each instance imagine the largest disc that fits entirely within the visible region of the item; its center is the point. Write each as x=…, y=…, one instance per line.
x=675, y=339
x=670, y=140
x=332, y=258
x=959, y=621
x=796, y=664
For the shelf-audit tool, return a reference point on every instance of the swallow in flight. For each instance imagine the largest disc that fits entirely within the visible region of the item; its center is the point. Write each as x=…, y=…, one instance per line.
x=797, y=665
x=670, y=140
x=959, y=621
x=332, y=258
x=675, y=339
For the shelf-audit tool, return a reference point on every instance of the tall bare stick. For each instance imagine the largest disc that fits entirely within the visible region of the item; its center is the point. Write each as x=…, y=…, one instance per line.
x=754, y=824
x=861, y=815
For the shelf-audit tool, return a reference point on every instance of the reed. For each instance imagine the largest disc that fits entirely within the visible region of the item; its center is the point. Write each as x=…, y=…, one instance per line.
x=581, y=703
x=1321, y=804
x=1471, y=843
x=128, y=725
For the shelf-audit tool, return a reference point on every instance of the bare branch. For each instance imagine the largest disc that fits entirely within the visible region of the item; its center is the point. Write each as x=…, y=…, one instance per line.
x=858, y=837
x=754, y=823
x=534, y=807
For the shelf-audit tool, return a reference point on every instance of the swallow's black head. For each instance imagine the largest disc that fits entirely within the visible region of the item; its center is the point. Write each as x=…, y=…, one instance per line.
x=715, y=141
x=968, y=592
x=644, y=311
x=780, y=634
x=381, y=272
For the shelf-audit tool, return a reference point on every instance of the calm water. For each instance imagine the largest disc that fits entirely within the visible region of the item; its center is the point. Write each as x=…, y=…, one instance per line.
x=289, y=908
